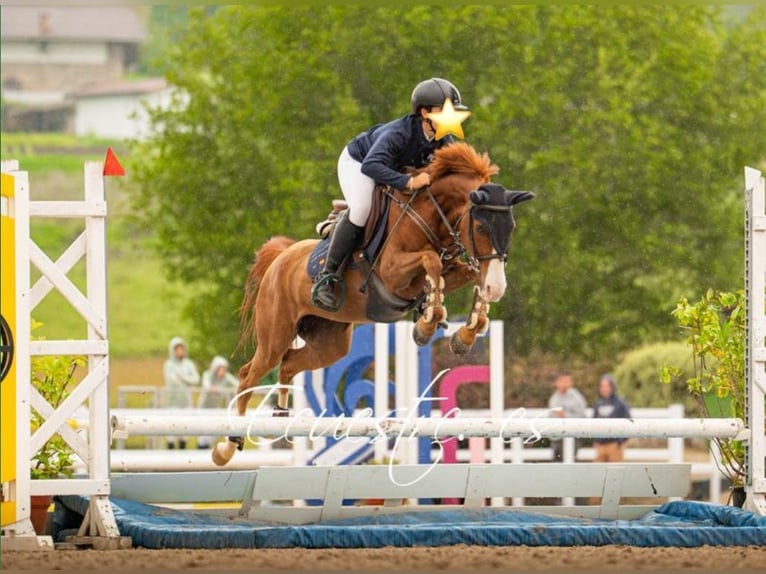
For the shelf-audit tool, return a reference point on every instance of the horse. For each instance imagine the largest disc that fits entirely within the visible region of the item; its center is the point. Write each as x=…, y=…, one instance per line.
x=439, y=239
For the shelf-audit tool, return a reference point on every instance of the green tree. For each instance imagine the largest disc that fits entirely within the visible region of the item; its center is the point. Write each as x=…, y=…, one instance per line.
x=635, y=147
x=243, y=154
x=631, y=123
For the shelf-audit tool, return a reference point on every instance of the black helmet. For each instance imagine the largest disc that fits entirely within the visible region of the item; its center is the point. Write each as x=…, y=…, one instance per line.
x=433, y=92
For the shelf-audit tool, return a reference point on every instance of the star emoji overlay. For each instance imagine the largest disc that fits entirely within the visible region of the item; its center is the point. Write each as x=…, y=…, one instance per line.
x=448, y=120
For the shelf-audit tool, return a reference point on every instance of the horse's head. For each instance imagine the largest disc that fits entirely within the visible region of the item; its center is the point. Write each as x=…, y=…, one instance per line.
x=489, y=226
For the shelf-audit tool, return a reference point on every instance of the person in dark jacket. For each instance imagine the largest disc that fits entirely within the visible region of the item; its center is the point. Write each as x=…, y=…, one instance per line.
x=379, y=155
x=609, y=405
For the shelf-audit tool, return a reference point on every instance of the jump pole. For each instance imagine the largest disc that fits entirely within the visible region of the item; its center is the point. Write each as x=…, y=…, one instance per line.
x=433, y=427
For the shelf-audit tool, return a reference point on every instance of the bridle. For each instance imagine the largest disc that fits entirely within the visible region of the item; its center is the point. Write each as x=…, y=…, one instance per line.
x=456, y=249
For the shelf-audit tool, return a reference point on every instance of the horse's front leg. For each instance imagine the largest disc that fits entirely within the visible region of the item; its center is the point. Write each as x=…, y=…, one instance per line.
x=477, y=324
x=401, y=272
x=434, y=312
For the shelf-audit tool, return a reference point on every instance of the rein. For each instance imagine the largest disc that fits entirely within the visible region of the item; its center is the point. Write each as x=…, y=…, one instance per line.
x=456, y=248
x=446, y=253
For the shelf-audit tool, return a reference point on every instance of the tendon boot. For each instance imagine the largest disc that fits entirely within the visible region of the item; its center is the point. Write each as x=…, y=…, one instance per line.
x=344, y=238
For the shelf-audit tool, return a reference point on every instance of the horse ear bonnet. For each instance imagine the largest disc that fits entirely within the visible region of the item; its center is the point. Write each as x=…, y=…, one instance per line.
x=514, y=197
x=478, y=196
x=489, y=193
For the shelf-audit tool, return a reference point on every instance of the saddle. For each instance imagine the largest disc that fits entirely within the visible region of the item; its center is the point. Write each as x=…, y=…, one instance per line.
x=382, y=305
x=378, y=211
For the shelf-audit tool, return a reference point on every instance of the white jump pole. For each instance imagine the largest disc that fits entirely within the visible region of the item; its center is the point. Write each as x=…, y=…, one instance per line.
x=315, y=427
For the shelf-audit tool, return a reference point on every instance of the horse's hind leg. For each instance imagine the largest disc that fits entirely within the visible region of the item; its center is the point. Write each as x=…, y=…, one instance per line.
x=251, y=373
x=266, y=357
x=326, y=343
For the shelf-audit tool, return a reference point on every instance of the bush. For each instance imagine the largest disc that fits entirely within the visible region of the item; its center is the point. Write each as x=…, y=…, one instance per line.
x=53, y=377
x=715, y=331
x=639, y=375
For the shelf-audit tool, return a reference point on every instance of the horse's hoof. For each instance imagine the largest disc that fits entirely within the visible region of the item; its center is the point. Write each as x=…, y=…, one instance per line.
x=457, y=346
x=280, y=412
x=223, y=451
x=419, y=338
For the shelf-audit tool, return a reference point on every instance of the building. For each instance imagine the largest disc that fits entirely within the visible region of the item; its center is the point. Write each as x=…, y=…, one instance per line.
x=116, y=110
x=48, y=53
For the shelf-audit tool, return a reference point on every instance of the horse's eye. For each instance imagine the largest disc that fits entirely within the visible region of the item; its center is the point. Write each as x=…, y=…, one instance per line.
x=483, y=229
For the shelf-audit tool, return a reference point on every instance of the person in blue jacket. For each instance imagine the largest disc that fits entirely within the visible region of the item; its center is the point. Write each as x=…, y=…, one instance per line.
x=609, y=405
x=379, y=155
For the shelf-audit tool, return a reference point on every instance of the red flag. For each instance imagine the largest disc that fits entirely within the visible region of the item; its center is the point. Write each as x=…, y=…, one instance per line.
x=112, y=164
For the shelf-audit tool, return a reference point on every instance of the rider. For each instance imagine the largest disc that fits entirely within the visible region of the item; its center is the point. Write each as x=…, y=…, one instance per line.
x=379, y=155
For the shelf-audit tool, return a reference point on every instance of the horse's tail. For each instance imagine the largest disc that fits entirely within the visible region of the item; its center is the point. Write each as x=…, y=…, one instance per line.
x=264, y=257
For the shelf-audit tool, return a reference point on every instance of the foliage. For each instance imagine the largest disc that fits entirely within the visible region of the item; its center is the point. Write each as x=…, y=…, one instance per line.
x=144, y=308
x=43, y=153
x=53, y=377
x=715, y=327
x=639, y=380
x=631, y=123
x=166, y=24
x=530, y=380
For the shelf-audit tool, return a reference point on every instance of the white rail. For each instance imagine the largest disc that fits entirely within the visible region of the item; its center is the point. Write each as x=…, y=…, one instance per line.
x=427, y=427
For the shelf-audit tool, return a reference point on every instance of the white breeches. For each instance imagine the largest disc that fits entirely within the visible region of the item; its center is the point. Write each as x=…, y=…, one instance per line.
x=357, y=188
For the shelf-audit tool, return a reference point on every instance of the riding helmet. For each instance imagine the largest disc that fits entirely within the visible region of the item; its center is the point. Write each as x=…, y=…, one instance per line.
x=433, y=92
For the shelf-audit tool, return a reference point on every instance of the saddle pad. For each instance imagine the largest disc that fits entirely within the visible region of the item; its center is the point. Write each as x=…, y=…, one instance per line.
x=316, y=259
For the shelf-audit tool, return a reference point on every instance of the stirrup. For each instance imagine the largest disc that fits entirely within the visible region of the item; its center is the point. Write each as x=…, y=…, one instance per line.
x=328, y=279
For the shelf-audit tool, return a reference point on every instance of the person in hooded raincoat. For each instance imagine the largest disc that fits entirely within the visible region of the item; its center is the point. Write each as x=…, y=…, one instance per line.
x=181, y=375
x=218, y=388
x=609, y=405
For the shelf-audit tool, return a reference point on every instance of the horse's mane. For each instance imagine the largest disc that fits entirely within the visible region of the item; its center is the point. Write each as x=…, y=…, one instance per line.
x=461, y=158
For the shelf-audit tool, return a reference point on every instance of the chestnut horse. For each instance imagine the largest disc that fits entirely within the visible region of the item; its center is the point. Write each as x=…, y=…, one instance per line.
x=439, y=239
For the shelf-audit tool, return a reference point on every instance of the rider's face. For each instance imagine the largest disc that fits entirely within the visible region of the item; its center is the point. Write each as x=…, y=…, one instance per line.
x=427, y=125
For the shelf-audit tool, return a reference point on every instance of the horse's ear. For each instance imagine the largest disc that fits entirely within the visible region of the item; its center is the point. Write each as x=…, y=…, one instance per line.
x=514, y=197
x=478, y=196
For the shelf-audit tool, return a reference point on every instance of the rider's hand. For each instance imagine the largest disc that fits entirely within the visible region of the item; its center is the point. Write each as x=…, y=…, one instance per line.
x=421, y=180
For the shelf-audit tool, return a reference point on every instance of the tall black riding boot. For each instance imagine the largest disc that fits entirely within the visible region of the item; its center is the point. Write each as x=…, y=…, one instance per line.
x=344, y=238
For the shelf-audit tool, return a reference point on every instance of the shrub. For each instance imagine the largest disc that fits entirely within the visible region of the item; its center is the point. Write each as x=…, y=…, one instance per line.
x=639, y=375
x=53, y=378
x=715, y=329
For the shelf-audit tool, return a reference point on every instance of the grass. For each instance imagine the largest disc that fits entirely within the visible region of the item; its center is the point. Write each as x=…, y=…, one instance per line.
x=144, y=308
x=23, y=145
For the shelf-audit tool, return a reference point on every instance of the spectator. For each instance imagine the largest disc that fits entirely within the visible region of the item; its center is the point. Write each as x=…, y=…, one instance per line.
x=218, y=387
x=181, y=376
x=566, y=401
x=609, y=405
